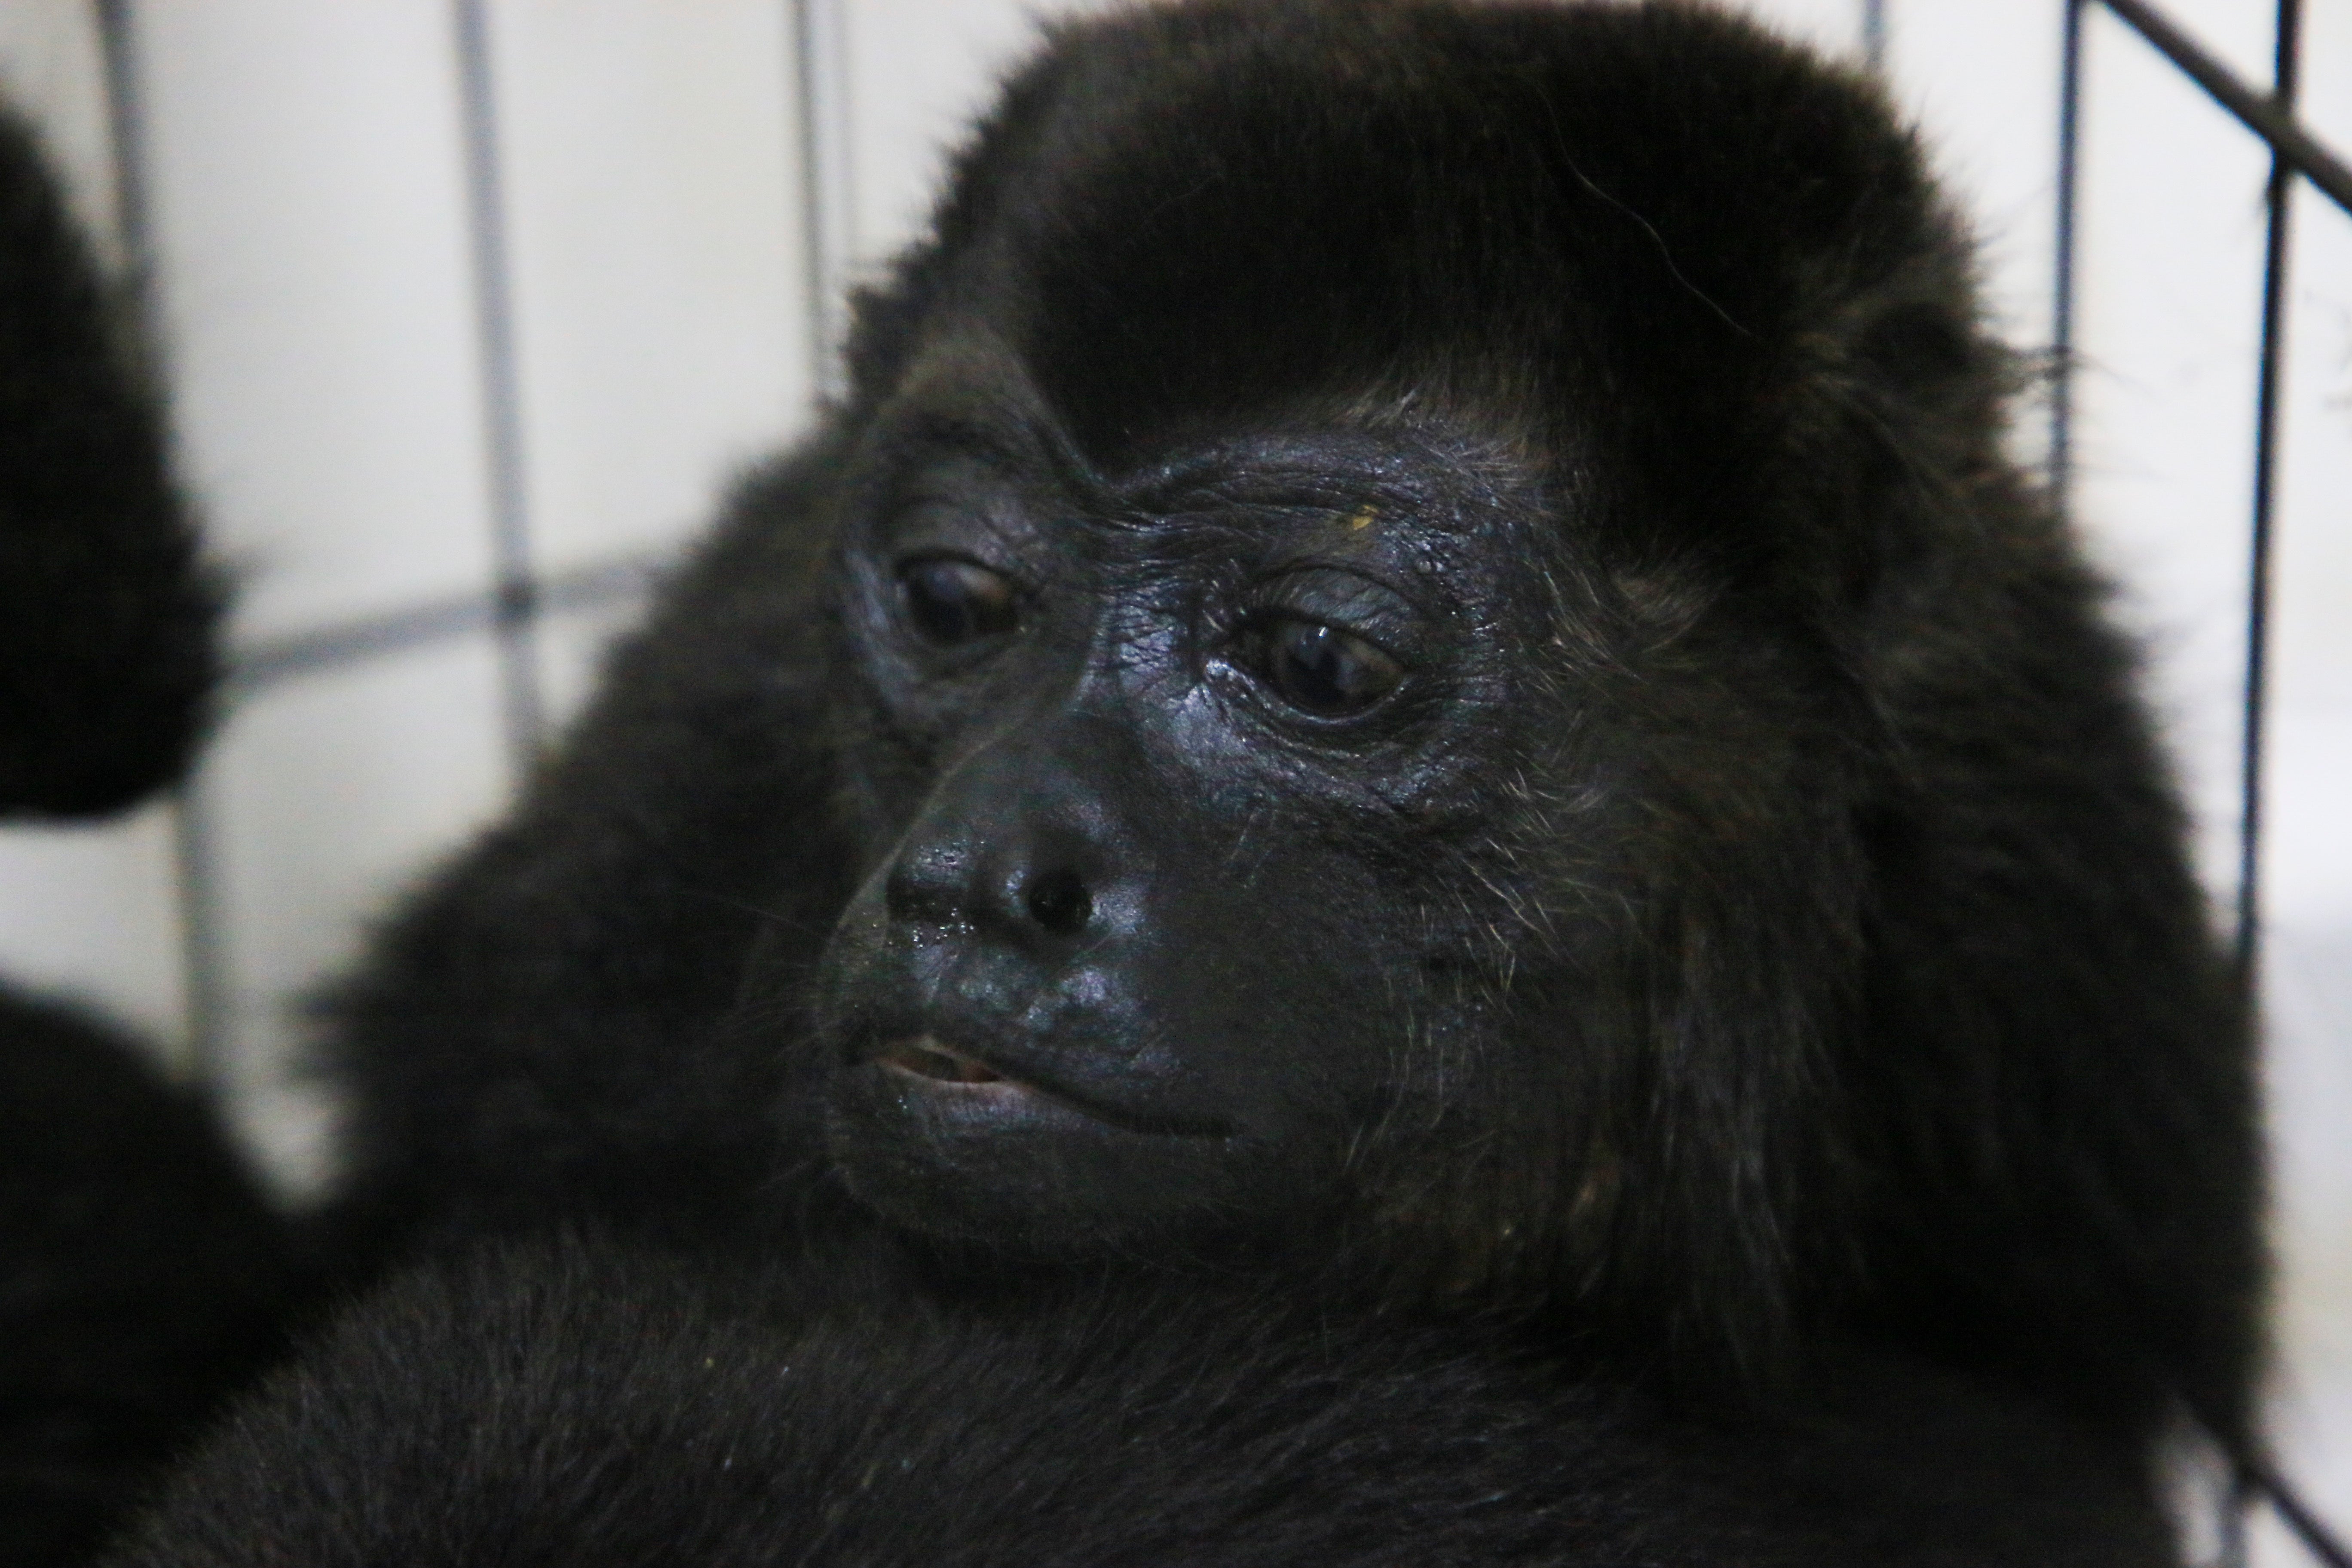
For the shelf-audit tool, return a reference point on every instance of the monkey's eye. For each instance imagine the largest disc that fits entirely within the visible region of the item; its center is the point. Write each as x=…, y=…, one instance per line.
x=950, y=601
x=1316, y=668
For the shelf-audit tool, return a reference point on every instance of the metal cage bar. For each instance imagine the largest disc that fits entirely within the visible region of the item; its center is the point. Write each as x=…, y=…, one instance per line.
x=2277, y=194
x=2272, y=121
x=195, y=880
x=2293, y=152
x=516, y=590
x=2061, y=289
x=604, y=584
x=820, y=42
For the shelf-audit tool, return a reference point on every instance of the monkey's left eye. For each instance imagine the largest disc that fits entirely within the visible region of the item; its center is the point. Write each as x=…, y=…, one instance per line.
x=950, y=601
x=1317, y=669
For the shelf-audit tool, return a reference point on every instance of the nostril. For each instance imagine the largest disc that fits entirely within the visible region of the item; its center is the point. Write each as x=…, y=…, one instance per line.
x=1058, y=900
x=907, y=897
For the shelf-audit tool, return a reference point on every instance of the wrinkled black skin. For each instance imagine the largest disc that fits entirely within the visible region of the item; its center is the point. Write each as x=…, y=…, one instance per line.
x=142, y=1275
x=1759, y=926
x=573, y=1406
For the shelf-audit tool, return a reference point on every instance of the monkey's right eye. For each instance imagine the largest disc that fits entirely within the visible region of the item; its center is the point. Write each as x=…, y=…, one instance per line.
x=950, y=601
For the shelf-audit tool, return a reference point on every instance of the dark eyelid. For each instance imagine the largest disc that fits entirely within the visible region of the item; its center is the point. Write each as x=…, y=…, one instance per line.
x=1349, y=576
x=1347, y=599
x=964, y=506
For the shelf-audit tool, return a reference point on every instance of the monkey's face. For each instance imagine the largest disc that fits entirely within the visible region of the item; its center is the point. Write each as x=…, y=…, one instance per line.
x=1191, y=799
x=1331, y=714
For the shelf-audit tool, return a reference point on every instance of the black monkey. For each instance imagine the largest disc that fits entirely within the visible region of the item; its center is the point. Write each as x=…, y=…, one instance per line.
x=141, y=1276
x=577, y=1405
x=1413, y=665
x=1414, y=643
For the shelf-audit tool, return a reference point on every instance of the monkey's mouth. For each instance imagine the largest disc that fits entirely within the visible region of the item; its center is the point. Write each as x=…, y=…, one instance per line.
x=926, y=1057
x=976, y=1087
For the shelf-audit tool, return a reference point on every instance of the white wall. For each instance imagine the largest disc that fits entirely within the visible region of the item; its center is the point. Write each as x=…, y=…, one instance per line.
x=315, y=292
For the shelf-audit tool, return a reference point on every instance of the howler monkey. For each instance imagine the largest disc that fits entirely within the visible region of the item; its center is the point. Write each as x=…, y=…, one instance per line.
x=1413, y=650
x=1412, y=672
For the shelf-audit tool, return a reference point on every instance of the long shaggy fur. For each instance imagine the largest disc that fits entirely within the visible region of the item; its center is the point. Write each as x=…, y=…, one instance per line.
x=1891, y=1013
x=572, y=1406
x=142, y=1279
x=106, y=649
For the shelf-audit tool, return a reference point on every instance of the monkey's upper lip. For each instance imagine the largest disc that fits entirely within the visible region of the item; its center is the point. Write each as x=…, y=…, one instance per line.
x=927, y=1058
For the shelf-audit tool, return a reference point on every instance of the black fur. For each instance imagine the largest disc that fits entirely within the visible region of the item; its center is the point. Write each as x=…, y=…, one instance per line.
x=1796, y=946
x=142, y=1276
x=1725, y=1063
x=141, y=1279
x=573, y=1406
x=106, y=620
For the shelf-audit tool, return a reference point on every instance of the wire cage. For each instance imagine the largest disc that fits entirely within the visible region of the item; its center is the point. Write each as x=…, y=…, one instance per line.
x=2296, y=156
x=515, y=633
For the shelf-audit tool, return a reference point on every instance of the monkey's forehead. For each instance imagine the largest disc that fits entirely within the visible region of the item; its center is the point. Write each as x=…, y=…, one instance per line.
x=968, y=403
x=1197, y=212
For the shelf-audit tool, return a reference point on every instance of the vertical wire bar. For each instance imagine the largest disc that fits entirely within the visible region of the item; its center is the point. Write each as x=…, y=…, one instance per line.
x=2287, y=44
x=127, y=131
x=2237, y=1498
x=2244, y=1489
x=1873, y=35
x=195, y=876
x=517, y=590
x=203, y=944
x=820, y=49
x=2062, y=292
x=2280, y=193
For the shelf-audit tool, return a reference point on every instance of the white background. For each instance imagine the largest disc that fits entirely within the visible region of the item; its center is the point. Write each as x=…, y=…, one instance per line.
x=314, y=293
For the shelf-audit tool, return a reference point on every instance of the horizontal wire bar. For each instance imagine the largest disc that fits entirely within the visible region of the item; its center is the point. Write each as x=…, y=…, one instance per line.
x=599, y=587
x=2310, y=157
